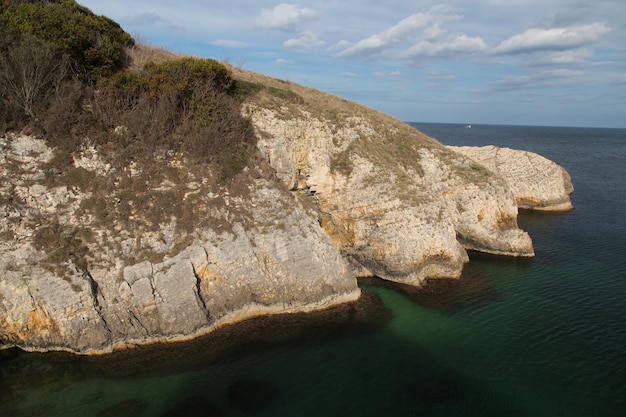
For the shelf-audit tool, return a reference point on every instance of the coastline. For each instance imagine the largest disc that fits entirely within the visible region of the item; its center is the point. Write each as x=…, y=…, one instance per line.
x=251, y=311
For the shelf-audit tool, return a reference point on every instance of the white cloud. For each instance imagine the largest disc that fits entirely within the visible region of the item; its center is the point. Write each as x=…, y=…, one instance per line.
x=348, y=74
x=283, y=61
x=540, y=79
x=393, y=75
x=577, y=56
x=306, y=41
x=228, y=43
x=146, y=19
x=339, y=46
x=459, y=44
x=441, y=77
x=555, y=39
x=284, y=17
x=428, y=25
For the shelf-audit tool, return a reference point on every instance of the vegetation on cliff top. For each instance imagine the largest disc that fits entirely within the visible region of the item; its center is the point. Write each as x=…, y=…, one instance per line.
x=67, y=75
x=170, y=128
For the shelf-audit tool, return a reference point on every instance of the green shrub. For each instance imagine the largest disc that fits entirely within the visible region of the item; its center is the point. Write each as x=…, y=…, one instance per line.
x=183, y=106
x=186, y=105
x=186, y=74
x=95, y=43
x=245, y=89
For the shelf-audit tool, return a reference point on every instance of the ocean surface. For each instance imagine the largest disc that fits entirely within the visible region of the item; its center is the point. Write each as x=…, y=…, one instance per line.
x=541, y=337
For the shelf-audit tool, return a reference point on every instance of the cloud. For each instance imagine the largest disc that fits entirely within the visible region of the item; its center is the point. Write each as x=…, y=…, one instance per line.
x=424, y=32
x=147, y=19
x=428, y=25
x=284, y=17
x=555, y=39
x=282, y=61
x=440, y=77
x=618, y=80
x=306, y=41
x=393, y=75
x=539, y=79
x=229, y=43
x=348, y=74
x=459, y=44
x=577, y=56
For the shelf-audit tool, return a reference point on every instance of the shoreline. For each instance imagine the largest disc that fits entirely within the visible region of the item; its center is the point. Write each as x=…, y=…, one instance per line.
x=247, y=313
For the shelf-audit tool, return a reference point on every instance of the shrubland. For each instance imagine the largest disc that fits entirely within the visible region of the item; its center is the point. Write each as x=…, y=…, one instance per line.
x=67, y=76
x=160, y=121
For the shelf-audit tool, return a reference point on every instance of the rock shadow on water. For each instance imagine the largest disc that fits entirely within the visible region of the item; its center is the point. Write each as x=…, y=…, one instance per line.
x=366, y=315
x=432, y=386
x=470, y=291
x=194, y=406
x=252, y=396
x=128, y=408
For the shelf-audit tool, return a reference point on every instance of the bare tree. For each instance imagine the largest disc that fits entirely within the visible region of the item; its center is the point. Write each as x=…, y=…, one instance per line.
x=29, y=70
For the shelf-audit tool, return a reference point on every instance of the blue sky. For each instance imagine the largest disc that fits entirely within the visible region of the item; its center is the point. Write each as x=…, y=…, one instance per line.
x=532, y=62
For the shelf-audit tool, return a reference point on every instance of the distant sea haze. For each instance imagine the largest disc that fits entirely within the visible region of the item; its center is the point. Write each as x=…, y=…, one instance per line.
x=540, y=337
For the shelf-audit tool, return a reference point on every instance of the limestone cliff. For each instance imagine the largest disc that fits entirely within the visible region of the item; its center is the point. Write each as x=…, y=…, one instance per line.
x=260, y=255
x=536, y=182
x=405, y=208
x=398, y=204
x=94, y=259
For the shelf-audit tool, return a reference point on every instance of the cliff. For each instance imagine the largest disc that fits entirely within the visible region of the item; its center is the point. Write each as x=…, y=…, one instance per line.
x=90, y=263
x=536, y=182
x=261, y=254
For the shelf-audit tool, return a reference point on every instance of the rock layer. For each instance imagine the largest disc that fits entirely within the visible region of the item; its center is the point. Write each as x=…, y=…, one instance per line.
x=337, y=192
x=399, y=205
x=273, y=257
x=536, y=182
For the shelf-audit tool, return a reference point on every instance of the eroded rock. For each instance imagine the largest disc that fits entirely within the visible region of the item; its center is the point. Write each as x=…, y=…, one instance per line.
x=536, y=182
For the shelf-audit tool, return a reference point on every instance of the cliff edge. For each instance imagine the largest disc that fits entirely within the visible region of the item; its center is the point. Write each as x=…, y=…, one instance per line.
x=536, y=182
x=95, y=257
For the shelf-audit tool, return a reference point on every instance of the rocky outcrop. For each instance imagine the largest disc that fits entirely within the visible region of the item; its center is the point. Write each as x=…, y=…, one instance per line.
x=94, y=259
x=399, y=205
x=270, y=257
x=536, y=182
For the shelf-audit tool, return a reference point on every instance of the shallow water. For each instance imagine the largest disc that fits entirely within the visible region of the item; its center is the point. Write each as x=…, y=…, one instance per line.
x=514, y=337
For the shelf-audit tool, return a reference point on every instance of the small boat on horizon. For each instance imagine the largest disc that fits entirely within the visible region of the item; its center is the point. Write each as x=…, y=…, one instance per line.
x=468, y=126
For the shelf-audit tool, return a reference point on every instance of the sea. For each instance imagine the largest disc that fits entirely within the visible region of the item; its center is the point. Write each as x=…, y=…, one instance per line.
x=540, y=337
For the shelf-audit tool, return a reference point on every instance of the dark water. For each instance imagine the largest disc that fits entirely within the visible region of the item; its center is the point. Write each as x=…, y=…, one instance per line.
x=540, y=337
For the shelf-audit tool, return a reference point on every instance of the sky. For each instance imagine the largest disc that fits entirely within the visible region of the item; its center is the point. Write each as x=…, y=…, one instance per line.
x=521, y=62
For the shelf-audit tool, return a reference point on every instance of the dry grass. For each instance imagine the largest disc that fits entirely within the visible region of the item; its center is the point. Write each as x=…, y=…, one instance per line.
x=142, y=54
x=394, y=145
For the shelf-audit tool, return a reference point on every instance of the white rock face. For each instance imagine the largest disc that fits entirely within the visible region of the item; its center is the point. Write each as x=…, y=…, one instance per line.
x=404, y=221
x=536, y=182
x=350, y=195
x=273, y=258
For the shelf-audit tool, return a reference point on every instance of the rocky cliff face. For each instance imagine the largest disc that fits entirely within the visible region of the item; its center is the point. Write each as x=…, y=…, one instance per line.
x=267, y=256
x=398, y=204
x=536, y=182
x=338, y=192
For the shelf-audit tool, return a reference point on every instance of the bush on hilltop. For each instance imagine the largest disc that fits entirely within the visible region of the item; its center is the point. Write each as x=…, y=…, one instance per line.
x=65, y=75
x=94, y=43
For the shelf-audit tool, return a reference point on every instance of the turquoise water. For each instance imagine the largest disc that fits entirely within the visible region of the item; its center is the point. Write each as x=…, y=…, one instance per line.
x=513, y=337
